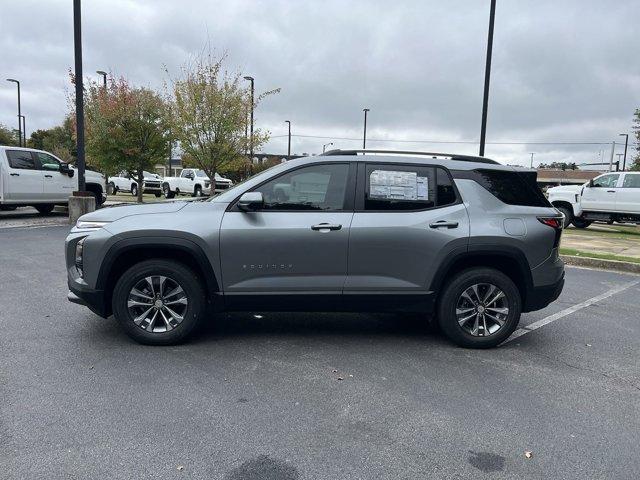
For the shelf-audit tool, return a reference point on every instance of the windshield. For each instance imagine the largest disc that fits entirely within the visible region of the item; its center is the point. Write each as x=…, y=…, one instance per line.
x=239, y=184
x=200, y=173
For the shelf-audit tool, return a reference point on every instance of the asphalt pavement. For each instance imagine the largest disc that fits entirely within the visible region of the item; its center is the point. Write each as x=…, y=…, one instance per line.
x=313, y=396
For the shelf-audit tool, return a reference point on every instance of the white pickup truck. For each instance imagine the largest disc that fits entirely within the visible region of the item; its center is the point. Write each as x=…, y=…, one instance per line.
x=611, y=197
x=194, y=182
x=152, y=183
x=30, y=177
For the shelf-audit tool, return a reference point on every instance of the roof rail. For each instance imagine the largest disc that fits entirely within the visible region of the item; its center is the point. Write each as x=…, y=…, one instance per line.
x=452, y=156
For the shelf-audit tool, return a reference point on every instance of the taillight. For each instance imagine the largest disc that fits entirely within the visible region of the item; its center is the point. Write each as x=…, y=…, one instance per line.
x=553, y=222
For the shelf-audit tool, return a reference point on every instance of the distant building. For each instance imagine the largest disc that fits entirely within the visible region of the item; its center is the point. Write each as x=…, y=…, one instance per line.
x=553, y=177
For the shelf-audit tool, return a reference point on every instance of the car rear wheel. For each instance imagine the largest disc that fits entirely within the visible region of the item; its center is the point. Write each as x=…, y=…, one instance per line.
x=134, y=190
x=581, y=223
x=167, y=191
x=479, y=308
x=44, y=208
x=197, y=191
x=111, y=189
x=159, y=302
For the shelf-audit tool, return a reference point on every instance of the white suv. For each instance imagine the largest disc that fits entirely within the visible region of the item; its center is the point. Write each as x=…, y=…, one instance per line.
x=152, y=183
x=40, y=179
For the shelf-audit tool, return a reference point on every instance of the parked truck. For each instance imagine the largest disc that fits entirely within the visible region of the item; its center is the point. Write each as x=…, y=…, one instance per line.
x=123, y=182
x=30, y=177
x=194, y=182
x=611, y=197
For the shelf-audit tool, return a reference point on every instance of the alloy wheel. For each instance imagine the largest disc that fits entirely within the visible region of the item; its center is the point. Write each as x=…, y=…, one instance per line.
x=482, y=309
x=157, y=304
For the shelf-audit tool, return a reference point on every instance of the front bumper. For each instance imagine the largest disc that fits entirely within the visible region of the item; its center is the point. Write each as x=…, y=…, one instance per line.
x=94, y=300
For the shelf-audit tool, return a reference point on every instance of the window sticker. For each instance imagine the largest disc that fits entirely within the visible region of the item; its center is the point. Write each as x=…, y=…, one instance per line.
x=393, y=185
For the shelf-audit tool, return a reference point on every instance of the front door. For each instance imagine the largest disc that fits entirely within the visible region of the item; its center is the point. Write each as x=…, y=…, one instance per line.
x=601, y=197
x=58, y=186
x=408, y=220
x=297, y=242
x=24, y=180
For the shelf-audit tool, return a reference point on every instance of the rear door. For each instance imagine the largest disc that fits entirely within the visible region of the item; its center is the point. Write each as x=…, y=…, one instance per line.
x=601, y=197
x=297, y=243
x=24, y=180
x=57, y=186
x=408, y=219
x=628, y=195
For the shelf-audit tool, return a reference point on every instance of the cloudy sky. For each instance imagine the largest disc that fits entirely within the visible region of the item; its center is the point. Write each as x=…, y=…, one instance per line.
x=563, y=71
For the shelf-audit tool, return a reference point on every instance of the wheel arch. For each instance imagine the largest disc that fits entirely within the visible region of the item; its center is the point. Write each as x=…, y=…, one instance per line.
x=127, y=253
x=95, y=188
x=508, y=260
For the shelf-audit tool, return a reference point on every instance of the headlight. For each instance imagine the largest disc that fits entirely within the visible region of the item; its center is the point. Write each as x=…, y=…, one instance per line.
x=87, y=225
x=79, y=252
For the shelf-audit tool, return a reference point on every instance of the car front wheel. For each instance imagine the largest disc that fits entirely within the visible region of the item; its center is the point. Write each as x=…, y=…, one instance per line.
x=159, y=302
x=479, y=308
x=567, y=214
x=167, y=191
x=134, y=190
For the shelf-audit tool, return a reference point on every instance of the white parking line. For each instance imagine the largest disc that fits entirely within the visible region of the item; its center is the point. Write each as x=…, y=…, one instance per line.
x=568, y=311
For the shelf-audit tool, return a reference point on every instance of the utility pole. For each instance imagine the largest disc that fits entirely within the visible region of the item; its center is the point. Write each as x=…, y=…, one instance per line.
x=24, y=129
x=13, y=80
x=626, y=143
x=532, y=154
x=364, y=137
x=613, y=149
x=487, y=77
x=251, y=79
x=289, y=143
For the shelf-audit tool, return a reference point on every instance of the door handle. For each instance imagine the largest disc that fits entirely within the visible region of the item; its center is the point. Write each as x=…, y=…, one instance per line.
x=14, y=174
x=443, y=223
x=48, y=176
x=325, y=226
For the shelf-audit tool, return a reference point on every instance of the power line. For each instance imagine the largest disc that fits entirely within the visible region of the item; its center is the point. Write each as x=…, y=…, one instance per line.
x=459, y=142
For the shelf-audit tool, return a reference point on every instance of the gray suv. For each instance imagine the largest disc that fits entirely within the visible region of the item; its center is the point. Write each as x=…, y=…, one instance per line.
x=465, y=238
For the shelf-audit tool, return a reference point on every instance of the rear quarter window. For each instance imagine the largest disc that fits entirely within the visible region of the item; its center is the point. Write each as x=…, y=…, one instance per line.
x=511, y=187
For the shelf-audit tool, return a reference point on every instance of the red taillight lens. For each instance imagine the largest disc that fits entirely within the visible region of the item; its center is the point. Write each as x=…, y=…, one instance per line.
x=553, y=222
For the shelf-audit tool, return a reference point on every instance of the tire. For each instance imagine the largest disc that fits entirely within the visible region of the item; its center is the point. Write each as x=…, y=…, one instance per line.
x=167, y=191
x=44, y=208
x=197, y=191
x=157, y=194
x=581, y=223
x=176, y=274
x=97, y=196
x=7, y=208
x=111, y=189
x=453, y=299
x=568, y=215
x=134, y=190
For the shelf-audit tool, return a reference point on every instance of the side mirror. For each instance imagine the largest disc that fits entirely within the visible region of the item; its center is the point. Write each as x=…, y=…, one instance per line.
x=250, y=201
x=65, y=169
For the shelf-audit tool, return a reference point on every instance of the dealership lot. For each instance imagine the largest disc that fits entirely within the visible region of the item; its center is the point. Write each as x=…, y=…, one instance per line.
x=313, y=396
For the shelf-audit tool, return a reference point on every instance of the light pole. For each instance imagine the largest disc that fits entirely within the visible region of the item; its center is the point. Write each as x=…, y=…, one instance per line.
x=13, y=80
x=24, y=130
x=325, y=146
x=626, y=143
x=532, y=154
x=77, y=42
x=289, y=142
x=487, y=76
x=251, y=79
x=364, y=136
x=104, y=77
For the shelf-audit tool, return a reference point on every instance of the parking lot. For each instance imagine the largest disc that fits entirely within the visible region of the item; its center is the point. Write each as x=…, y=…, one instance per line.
x=313, y=396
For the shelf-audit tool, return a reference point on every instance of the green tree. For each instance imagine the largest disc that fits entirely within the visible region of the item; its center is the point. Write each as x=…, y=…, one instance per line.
x=58, y=140
x=126, y=128
x=8, y=136
x=209, y=117
x=636, y=127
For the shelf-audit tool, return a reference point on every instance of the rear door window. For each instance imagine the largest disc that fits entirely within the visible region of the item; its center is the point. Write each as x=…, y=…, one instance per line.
x=631, y=180
x=21, y=159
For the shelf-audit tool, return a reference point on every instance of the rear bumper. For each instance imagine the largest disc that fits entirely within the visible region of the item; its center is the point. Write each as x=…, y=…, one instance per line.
x=540, y=297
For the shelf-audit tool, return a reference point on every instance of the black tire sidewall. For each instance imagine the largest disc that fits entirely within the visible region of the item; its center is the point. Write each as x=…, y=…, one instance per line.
x=449, y=298
x=44, y=208
x=188, y=280
x=568, y=216
x=134, y=190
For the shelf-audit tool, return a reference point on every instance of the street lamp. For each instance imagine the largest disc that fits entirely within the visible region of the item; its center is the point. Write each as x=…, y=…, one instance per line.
x=24, y=129
x=532, y=154
x=251, y=79
x=104, y=77
x=364, y=136
x=325, y=146
x=487, y=75
x=626, y=143
x=77, y=46
x=289, y=143
x=13, y=80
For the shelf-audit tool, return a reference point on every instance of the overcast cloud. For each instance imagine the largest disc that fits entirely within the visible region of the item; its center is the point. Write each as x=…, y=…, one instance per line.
x=563, y=71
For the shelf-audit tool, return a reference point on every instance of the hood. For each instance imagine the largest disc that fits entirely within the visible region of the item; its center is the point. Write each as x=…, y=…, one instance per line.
x=111, y=214
x=565, y=189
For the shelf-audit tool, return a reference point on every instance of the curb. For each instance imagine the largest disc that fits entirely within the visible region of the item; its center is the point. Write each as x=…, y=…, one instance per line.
x=615, y=265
